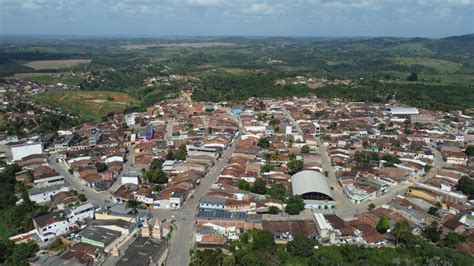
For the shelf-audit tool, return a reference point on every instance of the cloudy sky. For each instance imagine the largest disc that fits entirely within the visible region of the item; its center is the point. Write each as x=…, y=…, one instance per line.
x=424, y=18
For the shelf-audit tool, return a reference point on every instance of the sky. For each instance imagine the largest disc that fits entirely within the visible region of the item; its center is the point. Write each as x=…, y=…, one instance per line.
x=421, y=18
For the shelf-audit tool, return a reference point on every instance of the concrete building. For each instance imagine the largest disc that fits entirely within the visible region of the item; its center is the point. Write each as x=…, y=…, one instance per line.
x=44, y=194
x=314, y=189
x=19, y=151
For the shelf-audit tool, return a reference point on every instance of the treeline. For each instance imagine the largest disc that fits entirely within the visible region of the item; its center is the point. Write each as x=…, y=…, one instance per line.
x=226, y=88
x=15, y=218
x=257, y=247
x=432, y=97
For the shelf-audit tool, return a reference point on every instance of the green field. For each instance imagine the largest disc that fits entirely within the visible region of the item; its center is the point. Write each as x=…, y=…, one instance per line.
x=89, y=105
x=443, y=66
x=50, y=78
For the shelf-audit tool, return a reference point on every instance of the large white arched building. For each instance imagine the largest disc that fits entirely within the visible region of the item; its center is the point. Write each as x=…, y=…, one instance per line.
x=314, y=189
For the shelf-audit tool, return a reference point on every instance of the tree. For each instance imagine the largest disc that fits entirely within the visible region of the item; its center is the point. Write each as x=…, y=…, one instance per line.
x=132, y=204
x=383, y=225
x=244, y=185
x=301, y=246
x=413, y=77
x=305, y=149
x=158, y=188
x=207, y=257
x=470, y=151
x=82, y=197
x=21, y=253
x=273, y=210
x=294, y=205
x=263, y=143
x=433, y=232
x=266, y=168
x=466, y=185
x=382, y=126
x=333, y=126
x=452, y=239
x=294, y=166
x=274, y=121
x=402, y=233
x=101, y=167
x=277, y=191
x=371, y=206
x=259, y=187
x=263, y=241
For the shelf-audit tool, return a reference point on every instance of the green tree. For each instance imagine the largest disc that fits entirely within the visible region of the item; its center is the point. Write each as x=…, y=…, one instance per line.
x=301, y=246
x=470, y=151
x=413, y=77
x=383, y=225
x=305, y=149
x=101, y=167
x=466, y=185
x=371, y=206
x=21, y=253
x=244, y=185
x=294, y=205
x=207, y=257
x=274, y=121
x=263, y=241
x=402, y=234
x=277, y=191
x=259, y=187
x=266, y=168
x=294, y=166
x=452, y=239
x=132, y=204
x=273, y=210
x=433, y=232
x=264, y=143
x=82, y=197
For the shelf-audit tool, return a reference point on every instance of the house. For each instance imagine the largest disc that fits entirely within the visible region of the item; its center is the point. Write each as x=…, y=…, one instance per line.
x=209, y=202
x=45, y=194
x=145, y=251
x=98, y=236
x=132, y=177
x=176, y=199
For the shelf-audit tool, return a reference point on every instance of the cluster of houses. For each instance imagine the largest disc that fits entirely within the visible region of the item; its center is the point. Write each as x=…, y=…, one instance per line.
x=333, y=154
x=199, y=132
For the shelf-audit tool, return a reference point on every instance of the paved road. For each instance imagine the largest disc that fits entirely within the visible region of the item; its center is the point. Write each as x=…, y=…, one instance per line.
x=293, y=121
x=182, y=238
x=346, y=209
x=126, y=167
x=169, y=131
x=96, y=198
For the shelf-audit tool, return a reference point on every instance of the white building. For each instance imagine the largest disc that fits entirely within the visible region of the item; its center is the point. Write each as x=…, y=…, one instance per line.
x=19, y=151
x=313, y=187
x=44, y=194
x=130, y=119
x=131, y=178
x=54, y=224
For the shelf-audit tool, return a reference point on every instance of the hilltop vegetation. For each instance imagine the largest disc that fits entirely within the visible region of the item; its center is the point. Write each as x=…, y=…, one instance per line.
x=237, y=68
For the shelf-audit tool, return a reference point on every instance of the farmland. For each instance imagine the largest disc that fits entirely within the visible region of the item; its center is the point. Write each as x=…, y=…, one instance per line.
x=89, y=105
x=51, y=78
x=55, y=64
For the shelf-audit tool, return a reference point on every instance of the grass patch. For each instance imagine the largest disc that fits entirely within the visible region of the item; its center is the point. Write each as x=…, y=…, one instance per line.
x=55, y=64
x=439, y=65
x=89, y=105
x=50, y=78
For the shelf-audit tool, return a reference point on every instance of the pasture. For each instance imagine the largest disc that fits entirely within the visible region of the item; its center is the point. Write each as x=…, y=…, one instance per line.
x=89, y=105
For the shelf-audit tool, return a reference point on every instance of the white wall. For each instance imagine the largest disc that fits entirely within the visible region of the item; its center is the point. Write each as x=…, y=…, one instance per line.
x=21, y=151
